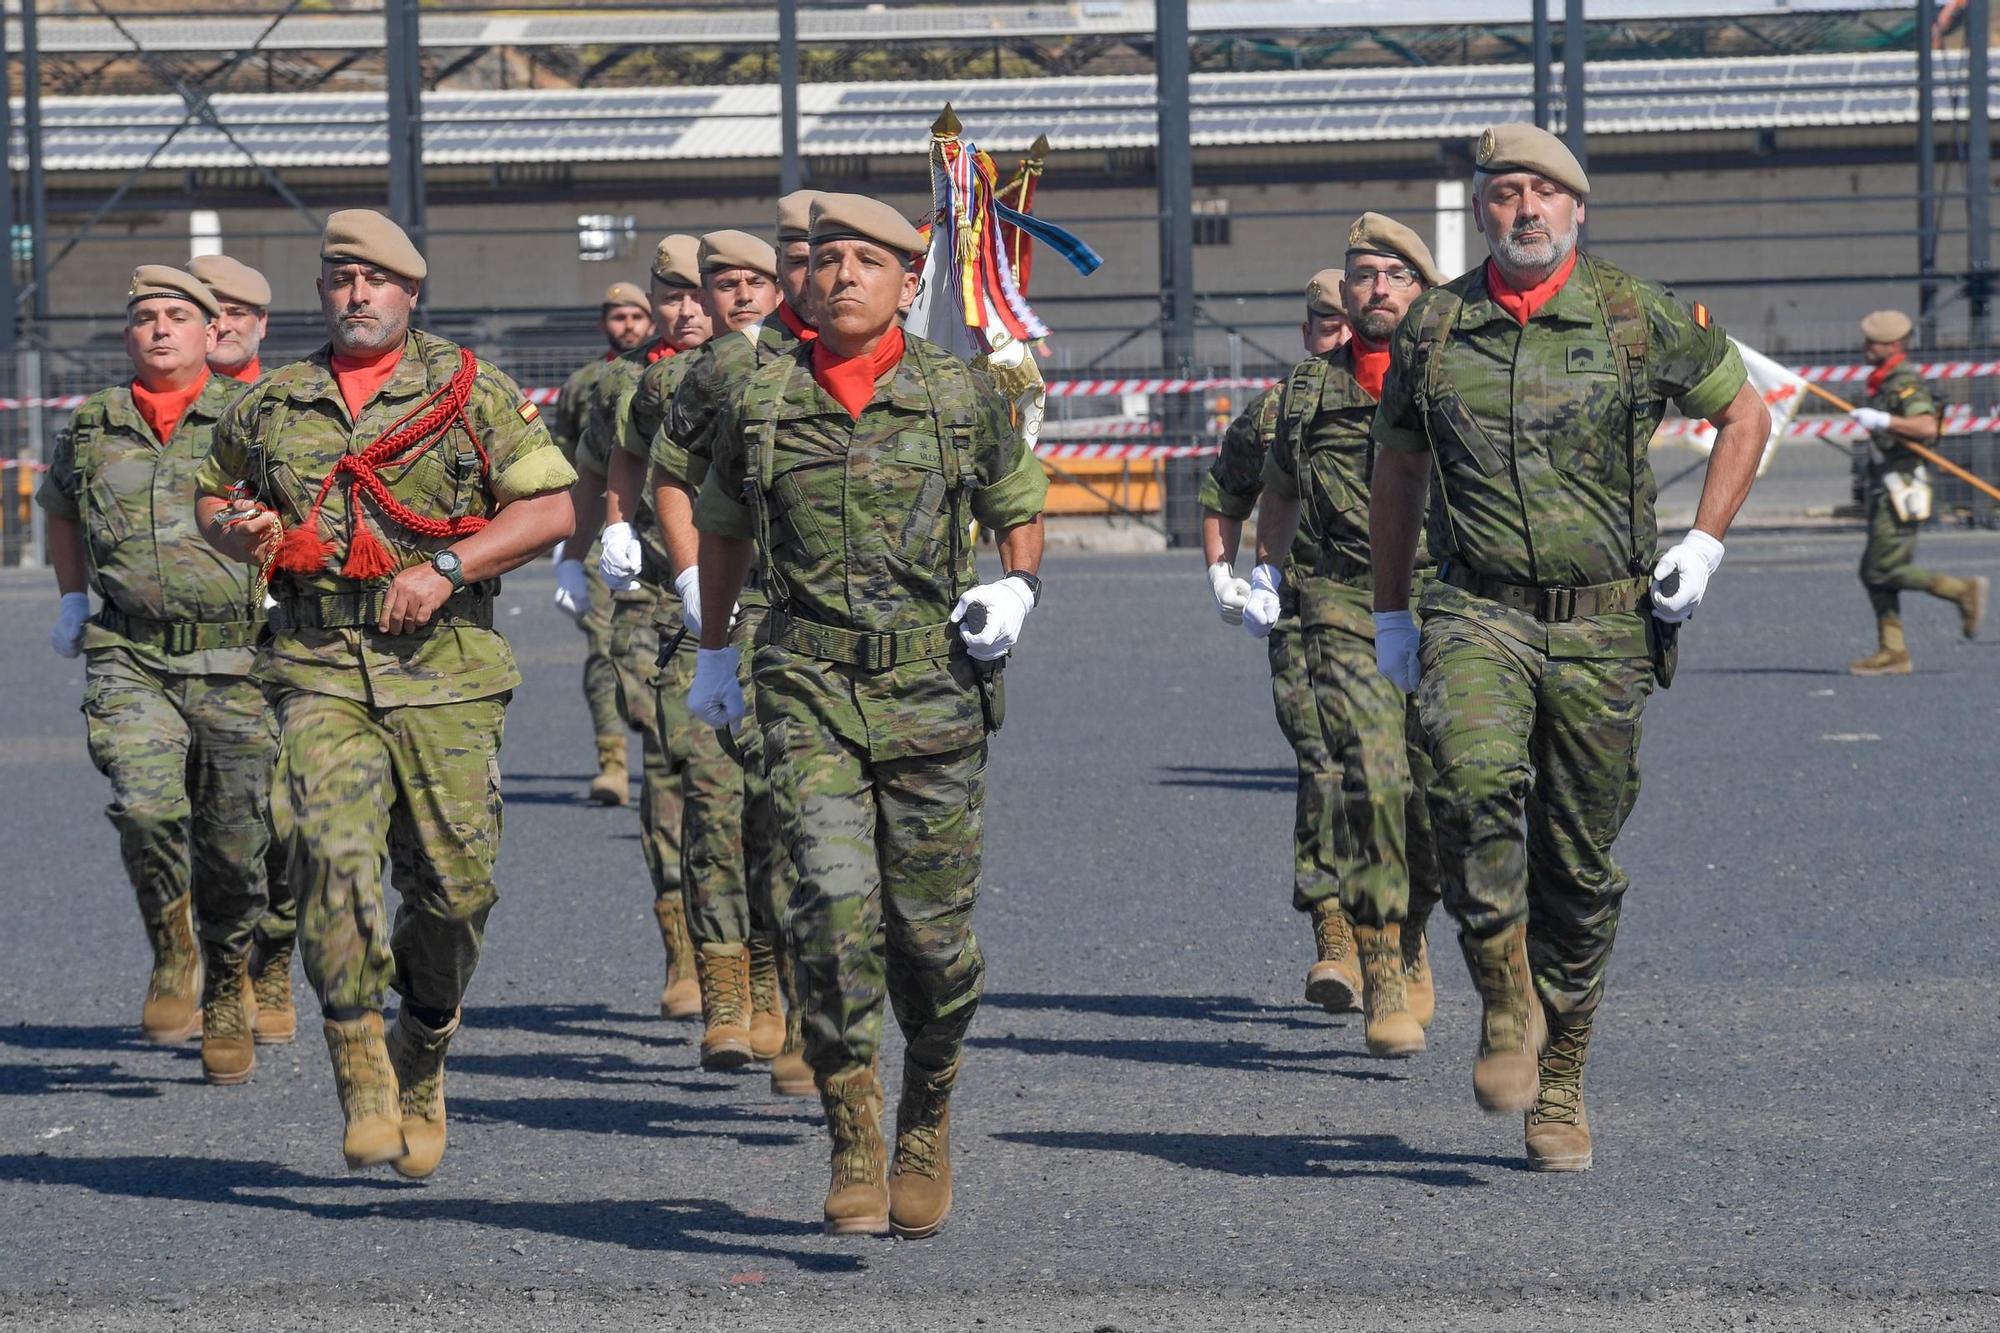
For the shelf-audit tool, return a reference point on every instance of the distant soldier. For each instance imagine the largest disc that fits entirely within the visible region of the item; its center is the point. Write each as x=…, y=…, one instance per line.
x=173, y=718
x=626, y=319
x=1228, y=496
x=244, y=297
x=1898, y=491
x=1532, y=385
x=1318, y=481
x=856, y=462
x=390, y=478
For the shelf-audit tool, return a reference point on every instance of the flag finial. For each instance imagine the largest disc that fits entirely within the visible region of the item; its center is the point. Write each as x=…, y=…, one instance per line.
x=946, y=126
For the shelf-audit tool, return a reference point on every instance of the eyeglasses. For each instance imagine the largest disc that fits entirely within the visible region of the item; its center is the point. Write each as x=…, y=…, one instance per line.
x=1399, y=279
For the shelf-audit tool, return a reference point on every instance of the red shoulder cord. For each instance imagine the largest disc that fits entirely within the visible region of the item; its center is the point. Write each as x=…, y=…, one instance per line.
x=304, y=551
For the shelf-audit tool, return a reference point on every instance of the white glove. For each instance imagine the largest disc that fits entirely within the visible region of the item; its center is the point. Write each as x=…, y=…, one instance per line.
x=1396, y=640
x=688, y=584
x=1007, y=605
x=716, y=697
x=66, y=635
x=1260, y=608
x=1870, y=418
x=620, y=558
x=1229, y=592
x=572, y=589
x=1693, y=559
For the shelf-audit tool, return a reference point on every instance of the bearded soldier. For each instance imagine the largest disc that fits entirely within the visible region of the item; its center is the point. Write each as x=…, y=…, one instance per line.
x=389, y=479
x=1532, y=385
x=244, y=297
x=855, y=462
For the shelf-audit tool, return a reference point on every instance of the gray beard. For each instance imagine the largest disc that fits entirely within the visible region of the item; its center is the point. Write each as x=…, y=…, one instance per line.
x=1377, y=326
x=1542, y=257
x=348, y=337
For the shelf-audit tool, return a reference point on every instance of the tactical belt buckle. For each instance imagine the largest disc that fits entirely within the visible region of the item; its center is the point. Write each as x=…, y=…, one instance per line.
x=1556, y=605
x=880, y=650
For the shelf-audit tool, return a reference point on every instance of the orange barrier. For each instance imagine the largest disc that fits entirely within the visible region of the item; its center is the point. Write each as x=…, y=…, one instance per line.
x=1097, y=486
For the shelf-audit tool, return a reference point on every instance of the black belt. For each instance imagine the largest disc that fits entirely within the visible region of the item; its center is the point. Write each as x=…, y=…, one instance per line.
x=1550, y=605
x=875, y=651
x=362, y=609
x=180, y=636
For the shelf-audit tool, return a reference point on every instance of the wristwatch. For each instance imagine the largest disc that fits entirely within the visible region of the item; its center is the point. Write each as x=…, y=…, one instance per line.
x=1033, y=581
x=448, y=564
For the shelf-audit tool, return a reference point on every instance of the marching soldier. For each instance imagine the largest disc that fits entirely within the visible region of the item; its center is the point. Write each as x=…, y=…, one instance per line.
x=388, y=479
x=173, y=717
x=1228, y=496
x=633, y=565
x=626, y=319
x=1898, y=497
x=1317, y=482
x=244, y=297
x=1532, y=385
x=855, y=462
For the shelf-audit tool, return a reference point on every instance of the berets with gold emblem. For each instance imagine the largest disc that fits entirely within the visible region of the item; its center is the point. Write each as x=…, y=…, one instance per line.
x=795, y=216
x=625, y=293
x=363, y=236
x=856, y=217
x=737, y=249
x=1375, y=234
x=677, y=261
x=1323, y=292
x=150, y=280
x=232, y=280
x=1518, y=146
x=1886, y=326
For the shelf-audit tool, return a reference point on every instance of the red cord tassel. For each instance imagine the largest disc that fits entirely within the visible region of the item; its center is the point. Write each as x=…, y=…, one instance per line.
x=301, y=551
x=366, y=559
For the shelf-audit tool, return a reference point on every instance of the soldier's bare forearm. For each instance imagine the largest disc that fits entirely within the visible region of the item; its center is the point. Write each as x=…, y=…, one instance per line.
x=587, y=501
x=1395, y=516
x=1740, y=431
x=520, y=532
x=1221, y=537
x=1277, y=526
x=1021, y=547
x=66, y=554
x=1924, y=429
x=673, y=501
x=621, y=486
x=725, y=563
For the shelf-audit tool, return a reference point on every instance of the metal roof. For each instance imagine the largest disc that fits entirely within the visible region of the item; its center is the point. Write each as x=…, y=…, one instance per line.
x=874, y=119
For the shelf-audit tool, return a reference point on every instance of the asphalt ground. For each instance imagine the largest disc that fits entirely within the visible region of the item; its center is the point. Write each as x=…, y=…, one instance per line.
x=1794, y=1086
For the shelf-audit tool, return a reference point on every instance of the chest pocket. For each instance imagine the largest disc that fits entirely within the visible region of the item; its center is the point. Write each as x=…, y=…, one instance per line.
x=914, y=474
x=1339, y=455
x=1584, y=409
x=1456, y=435
x=805, y=487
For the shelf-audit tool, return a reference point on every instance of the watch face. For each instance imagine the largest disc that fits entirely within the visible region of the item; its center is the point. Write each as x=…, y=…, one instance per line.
x=446, y=562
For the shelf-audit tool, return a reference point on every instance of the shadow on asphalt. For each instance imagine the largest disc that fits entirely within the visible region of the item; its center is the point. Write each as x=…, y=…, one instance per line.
x=105, y=1077
x=582, y=1020
x=678, y=1226
x=1241, y=1056
x=653, y=1118
x=1231, y=1009
x=1341, y=1156
x=1230, y=779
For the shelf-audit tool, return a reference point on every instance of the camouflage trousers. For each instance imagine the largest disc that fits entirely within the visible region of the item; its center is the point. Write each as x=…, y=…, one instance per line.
x=1889, y=560
x=635, y=650
x=417, y=789
x=600, y=674
x=1313, y=878
x=886, y=854
x=280, y=922
x=1537, y=769
x=189, y=758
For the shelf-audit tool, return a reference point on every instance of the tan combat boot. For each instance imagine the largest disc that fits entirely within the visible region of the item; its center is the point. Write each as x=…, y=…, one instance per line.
x=1334, y=983
x=1511, y=1030
x=1393, y=1031
x=920, y=1175
x=767, y=1011
x=1558, y=1126
x=366, y=1082
x=1419, y=988
x=791, y=1076
x=417, y=1054
x=228, y=1019
x=1969, y=595
x=613, y=783
x=725, y=1006
x=173, y=994
x=271, y=984
x=1891, y=659
x=857, y=1197
x=681, y=997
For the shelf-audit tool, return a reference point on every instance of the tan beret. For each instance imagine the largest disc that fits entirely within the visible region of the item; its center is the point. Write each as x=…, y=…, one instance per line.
x=232, y=280
x=1323, y=293
x=1518, y=146
x=1886, y=326
x=149, y=280
x=363, y=236
x=677, y=260
x=626, y=293
x=737, y=249
x=856, y=217
x=795, y=215
x=1374, y=234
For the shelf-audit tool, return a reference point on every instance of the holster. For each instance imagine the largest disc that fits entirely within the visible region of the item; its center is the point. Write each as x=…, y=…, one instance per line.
x=1663, y=645
x=988, y=678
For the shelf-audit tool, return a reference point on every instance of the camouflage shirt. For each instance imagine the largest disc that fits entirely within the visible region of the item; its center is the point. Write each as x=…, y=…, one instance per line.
x=862, y=529
x=134, y=499
x=284, y=436
x=572, y=407
x=1903, y=394
x=611, y=421
x=1236, y=479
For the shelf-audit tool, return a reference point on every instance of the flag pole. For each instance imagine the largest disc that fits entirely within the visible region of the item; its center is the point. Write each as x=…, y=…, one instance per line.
x=1930, y=455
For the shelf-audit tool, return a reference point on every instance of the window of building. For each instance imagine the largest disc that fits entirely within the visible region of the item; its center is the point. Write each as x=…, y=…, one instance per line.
x=1211, y=222
x=605, y=236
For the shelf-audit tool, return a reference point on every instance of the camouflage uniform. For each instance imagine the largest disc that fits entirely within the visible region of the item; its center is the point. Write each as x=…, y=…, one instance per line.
x=870, y=709
x=1380, y=840
x=600, y=678
x=1230, y=489
x=391, y=743
x=1534, y=651
x=1889, y=561
x=173, y=717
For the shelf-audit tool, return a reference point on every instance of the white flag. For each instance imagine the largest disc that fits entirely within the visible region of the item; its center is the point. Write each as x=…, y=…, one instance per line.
x=1782, y=392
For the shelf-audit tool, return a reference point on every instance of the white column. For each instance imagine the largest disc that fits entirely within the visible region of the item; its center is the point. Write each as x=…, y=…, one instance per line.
x=204, y=233
x=1449, y=248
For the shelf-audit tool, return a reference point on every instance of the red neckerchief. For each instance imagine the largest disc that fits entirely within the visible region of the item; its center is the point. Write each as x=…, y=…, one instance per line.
x=1370, y=362
x=850, y=380
x=1523, y=305
x=360, y=378
x=248, y=372
x=659, y=351
x=164, y=409
x=801, y=330
x=1880, y=375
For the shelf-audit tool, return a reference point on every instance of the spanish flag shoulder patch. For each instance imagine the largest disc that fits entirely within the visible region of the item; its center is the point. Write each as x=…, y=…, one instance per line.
x=1700, y=315
x=529, y=412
